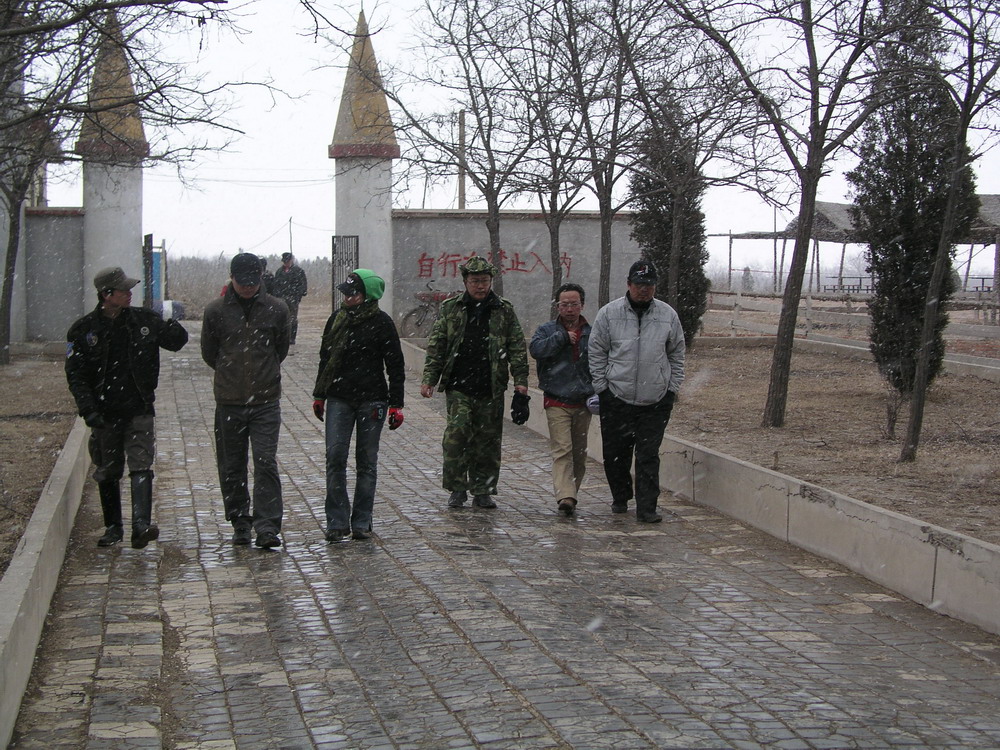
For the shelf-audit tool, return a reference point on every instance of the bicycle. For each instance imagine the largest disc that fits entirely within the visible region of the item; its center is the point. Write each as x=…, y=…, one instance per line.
x=417, y=323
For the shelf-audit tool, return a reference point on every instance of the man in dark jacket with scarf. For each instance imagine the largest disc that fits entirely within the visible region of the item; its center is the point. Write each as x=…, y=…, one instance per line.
x=360, y=346
x=244, y=338
x=113, y=368
x=474, y=342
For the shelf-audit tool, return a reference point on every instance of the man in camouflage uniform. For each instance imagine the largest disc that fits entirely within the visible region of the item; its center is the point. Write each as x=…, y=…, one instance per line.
x=475, y=341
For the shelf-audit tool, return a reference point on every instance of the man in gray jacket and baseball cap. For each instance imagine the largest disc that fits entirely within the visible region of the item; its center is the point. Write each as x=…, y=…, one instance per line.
x=637, y=365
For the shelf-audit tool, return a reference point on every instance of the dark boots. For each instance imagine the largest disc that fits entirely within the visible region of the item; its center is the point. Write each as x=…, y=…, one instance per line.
x=111, y=507
x=143, y=530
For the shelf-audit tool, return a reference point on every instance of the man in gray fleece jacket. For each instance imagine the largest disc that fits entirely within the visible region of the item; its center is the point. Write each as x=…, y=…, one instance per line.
x=637, y=366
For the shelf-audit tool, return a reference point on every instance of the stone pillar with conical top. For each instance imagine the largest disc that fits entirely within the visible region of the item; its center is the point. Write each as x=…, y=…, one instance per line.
x=364, y=145
x=112, y=145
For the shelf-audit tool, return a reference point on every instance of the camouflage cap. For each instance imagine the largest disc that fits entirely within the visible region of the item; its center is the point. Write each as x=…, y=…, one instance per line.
x=477, y=264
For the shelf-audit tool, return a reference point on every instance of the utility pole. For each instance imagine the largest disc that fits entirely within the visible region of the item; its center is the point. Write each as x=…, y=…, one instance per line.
x=461, y=159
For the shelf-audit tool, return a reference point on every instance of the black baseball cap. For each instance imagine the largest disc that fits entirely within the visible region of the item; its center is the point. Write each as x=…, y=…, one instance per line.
x=245, y=269
x=642, y=272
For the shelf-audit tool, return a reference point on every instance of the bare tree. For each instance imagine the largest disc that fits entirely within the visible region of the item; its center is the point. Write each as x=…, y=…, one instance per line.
x=48, y=51
x=805, y=63
x=692, y=106
x=469, y=48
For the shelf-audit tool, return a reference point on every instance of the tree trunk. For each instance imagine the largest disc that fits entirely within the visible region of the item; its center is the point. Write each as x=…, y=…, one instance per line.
x=7, y=293
x=777, y=391
x=932, y=307
x=552, y=221
x=493, y=227
x=674, y=259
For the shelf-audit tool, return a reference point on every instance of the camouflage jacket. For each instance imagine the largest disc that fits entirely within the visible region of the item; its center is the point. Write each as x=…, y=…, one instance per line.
x=506, y=346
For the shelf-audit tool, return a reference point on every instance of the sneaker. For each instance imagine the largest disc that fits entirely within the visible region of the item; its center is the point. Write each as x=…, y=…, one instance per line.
x=337, y=535
x=112, y=535
x=268, y=539
x=361, y=534
x=241, y=535
x=653, y=517
x=619, y=507
x=483, y=501
x=458, y=498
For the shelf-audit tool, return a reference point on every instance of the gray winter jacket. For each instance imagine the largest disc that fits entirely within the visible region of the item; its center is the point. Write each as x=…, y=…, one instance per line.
x=639, y=359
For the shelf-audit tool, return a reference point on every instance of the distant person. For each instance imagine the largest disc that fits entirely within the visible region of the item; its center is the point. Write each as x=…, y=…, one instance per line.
x=244, y=338
x=290, y=285
x=266, y=277
x=560, y=348
x=637, y=365
x=360, y=347
x=474, y=343
x=113, y=368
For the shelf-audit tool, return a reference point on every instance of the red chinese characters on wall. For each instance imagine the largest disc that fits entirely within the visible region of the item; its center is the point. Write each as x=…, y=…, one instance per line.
x=446, y=264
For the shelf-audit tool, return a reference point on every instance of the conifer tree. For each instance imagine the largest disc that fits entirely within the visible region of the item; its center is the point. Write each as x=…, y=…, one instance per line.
x=900, y=193
x=667, y=200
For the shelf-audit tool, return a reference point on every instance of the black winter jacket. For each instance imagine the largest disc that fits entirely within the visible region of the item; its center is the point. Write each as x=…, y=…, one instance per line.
x=87, y=354
x=371, y=350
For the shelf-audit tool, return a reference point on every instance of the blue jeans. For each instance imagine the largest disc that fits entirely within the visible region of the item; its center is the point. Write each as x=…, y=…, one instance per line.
x=237, y=429
x=341, y=419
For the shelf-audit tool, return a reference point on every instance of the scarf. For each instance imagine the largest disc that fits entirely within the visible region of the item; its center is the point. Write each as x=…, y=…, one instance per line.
x=335, y=340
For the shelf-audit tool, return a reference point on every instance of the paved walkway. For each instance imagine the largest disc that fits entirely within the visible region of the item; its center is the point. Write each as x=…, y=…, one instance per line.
x=511, y=628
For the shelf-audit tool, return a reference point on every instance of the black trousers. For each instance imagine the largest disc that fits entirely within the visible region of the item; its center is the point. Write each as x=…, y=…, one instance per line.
x=626, y=431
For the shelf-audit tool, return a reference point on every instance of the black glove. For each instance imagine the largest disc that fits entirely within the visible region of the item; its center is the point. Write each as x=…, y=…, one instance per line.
x=94, y=420
x=519, y=411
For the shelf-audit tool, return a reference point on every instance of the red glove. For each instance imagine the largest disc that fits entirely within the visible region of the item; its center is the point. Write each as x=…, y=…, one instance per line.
x=318, y=406
x=395, y=417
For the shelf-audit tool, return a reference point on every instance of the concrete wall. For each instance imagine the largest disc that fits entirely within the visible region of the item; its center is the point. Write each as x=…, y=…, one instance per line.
x=430, y=245
x=53, y=267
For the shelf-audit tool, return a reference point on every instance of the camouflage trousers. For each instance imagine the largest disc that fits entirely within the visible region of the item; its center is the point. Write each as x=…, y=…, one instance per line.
x=471, y=444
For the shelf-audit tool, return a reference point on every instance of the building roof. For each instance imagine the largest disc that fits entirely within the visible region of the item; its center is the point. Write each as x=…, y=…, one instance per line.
x=832, y=222
x=113, y=129
x=364, y=125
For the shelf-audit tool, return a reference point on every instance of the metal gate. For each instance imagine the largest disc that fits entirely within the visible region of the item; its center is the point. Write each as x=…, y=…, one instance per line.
x=345, y=260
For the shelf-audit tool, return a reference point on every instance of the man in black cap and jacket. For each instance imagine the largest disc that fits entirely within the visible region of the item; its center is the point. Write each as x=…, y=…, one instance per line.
x=290, y=284
x=244, y=338
x=113, y=367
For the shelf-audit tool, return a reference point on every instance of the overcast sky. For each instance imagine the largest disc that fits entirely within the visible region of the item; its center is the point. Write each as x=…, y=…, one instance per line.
x=273, y=190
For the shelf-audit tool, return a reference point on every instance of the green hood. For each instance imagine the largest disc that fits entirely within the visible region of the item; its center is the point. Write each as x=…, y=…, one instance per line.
x=374, y=284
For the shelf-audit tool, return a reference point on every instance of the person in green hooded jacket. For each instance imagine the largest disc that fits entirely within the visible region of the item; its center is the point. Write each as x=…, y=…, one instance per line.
x=476, y=344
x=360, y=347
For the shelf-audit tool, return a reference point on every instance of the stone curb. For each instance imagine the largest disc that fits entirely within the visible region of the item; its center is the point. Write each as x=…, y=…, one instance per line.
x=28, y=584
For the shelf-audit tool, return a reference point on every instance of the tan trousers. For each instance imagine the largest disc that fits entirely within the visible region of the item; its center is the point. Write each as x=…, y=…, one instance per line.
x=568, y=443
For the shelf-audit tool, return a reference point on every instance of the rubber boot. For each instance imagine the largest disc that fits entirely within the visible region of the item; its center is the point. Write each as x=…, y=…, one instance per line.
x=111, y=507
x=143, y=530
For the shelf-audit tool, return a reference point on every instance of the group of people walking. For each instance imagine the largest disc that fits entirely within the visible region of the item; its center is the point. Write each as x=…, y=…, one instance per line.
x=628, y=366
